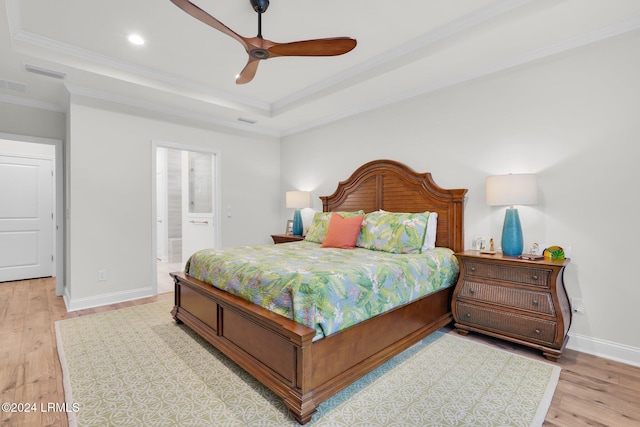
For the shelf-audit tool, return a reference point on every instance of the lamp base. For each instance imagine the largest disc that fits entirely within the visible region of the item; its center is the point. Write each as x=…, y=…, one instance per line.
x=512, y=242
x=297, y=223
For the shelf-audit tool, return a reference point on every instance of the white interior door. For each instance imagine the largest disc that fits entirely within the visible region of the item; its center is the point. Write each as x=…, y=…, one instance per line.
x=26, y=218
x=198, y=231
x=162, y=240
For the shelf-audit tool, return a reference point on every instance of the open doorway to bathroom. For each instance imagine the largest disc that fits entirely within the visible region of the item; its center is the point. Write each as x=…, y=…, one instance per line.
x=186, y=204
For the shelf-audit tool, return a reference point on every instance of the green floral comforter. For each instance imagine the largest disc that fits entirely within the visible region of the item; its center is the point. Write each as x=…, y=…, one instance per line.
x=324, y=288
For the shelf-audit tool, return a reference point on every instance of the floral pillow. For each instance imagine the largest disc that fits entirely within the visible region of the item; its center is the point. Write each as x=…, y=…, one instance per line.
x=320, y=223
x=400, y=233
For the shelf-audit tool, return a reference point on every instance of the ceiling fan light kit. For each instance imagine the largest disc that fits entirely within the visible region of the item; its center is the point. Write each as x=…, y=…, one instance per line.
x=260, y=49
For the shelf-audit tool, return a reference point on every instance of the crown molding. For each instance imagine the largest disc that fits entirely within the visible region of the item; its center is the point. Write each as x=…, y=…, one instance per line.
x=619, y=28
x=394, y=58
x=366, y=70
x=380, y=64
x=218, y=97
x=32, y=103
x=175, y=112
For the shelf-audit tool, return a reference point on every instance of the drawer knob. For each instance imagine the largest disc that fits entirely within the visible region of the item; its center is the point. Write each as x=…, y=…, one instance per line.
x=472, y=291
x=473, y=269
x=535, y=302
x=537, y=331
x=534, y=277
x=468, y=315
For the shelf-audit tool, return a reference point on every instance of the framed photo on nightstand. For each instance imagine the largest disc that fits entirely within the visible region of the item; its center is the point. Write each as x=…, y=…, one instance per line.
x=289, y=229
x=479, y=243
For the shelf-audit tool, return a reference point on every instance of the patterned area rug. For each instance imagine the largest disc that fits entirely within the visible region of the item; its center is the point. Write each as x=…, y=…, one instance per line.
x=121, y=368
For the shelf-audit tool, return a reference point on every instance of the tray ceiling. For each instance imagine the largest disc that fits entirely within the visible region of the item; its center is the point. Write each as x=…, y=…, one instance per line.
x=188, y=69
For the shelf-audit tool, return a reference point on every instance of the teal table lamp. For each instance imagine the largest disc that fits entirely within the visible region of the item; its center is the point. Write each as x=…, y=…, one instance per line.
x=297, y=200
x=510, y=190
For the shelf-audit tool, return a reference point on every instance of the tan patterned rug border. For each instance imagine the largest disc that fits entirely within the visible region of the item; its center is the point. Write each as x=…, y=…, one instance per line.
x=66, y=379
x=547, y=397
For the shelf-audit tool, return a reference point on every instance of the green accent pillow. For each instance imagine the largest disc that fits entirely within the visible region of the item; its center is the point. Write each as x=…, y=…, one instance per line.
x=320, y=223
x=398, y=233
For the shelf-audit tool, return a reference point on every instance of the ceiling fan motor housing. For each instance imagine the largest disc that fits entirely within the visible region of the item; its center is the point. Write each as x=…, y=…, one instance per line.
x=260, y=6
x=259, y=53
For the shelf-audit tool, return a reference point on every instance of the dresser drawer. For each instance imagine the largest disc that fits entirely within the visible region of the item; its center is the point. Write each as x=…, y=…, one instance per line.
x=525, y=327
x=538, y=302
x=513, y=274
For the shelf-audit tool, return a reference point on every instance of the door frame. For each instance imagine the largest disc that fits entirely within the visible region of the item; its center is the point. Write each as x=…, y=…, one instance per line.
x=155, y=144
x=58, y=200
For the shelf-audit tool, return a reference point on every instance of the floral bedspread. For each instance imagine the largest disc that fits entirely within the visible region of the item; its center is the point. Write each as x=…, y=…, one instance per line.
x=324, y=288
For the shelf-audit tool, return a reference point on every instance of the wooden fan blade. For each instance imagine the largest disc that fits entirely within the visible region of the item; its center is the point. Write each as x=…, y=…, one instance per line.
x=203, y=16
x=318, y=47
x=248, y=72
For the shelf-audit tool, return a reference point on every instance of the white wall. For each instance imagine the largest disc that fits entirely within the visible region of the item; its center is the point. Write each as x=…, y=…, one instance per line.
x=571, y=119
x=109, y=196
x=22, y=120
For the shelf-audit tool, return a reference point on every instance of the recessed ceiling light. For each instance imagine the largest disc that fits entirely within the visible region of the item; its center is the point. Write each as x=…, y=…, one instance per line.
x=136, y=39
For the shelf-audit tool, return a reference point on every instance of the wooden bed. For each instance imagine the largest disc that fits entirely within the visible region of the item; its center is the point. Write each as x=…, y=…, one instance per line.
x=279, y=352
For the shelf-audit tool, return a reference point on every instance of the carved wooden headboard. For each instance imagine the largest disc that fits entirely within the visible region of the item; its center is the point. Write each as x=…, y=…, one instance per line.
x=394, y=187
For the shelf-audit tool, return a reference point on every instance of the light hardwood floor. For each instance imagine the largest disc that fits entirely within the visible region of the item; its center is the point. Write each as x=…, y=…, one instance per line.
x=592, y=391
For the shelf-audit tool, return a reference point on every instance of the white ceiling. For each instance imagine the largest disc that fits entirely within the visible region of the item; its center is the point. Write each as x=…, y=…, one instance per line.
x=186, y=68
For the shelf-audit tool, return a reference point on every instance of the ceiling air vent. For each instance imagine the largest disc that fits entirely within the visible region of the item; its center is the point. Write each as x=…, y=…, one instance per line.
x=44, y=72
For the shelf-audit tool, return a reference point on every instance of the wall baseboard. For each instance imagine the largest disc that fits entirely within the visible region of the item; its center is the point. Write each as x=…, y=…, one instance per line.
x=607, y=349
x=106, y=299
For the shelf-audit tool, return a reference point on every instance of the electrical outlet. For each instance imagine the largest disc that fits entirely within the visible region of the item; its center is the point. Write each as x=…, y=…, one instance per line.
x=102, y=275
x=577, y=306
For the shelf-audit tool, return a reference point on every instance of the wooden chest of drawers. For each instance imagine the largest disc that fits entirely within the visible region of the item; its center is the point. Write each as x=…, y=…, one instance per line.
x=517, y=300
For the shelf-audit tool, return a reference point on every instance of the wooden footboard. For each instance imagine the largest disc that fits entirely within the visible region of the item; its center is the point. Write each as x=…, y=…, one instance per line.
x=280, y=353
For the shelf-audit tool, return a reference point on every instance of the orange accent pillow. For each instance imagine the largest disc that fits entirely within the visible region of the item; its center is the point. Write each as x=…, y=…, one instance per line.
x=342, y=232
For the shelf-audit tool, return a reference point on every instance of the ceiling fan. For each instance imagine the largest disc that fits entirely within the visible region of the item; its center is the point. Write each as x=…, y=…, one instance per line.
x=259, y=48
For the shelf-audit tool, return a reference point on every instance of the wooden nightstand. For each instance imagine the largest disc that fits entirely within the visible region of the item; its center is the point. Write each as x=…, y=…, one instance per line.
x=285, y=238
x=517, y=300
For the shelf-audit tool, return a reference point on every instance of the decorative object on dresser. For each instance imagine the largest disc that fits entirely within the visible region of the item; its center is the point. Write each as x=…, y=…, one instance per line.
x=518, y=300
x=285, y=238
x=554, y=252
x=510, y=190
x=297, y=200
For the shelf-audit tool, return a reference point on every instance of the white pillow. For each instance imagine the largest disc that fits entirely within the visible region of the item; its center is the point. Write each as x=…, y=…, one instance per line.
x=430, y=237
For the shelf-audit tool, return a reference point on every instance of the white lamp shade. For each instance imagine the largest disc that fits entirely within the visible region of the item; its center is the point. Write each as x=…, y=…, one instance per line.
x=512, y=189
x=298, y=199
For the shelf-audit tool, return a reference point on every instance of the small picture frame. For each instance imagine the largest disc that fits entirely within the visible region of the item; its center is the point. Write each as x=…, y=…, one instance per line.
x=479, y=243
x=289, y=230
